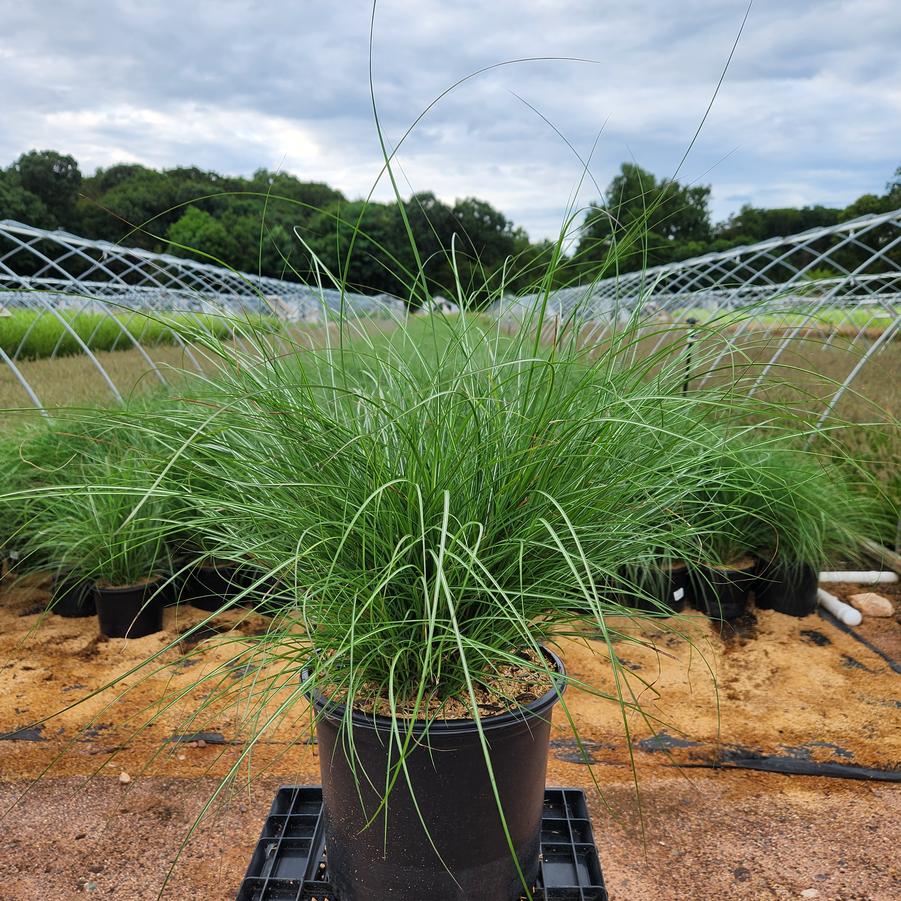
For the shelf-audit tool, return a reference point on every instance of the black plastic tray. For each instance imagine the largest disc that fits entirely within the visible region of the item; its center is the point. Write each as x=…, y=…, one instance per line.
x=289, y=862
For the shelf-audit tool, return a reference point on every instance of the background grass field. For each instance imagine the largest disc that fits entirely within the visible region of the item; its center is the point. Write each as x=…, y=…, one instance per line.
x=38, y=334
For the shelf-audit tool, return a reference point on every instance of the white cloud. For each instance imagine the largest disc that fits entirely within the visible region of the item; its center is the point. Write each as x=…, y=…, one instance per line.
x=173, y=136
x=810, y=110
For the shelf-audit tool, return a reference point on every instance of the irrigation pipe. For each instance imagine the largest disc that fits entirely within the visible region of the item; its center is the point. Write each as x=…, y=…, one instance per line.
x=873, y=577
x=844, y=627
x=843, y=612
x=789, y=766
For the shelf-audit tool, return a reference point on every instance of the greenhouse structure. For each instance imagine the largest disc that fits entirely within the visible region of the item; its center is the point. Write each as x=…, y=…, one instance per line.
x=837, y=281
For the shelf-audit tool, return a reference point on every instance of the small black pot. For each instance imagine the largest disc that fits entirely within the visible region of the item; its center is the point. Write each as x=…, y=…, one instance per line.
x=723, y=592
x=450, y=781
x=131, y=612
x=72, y=597
x=209, y=586
x=787, y=588
x=669, y=585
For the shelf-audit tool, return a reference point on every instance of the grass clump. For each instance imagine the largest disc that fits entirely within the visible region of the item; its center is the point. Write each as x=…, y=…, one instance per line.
x=769, y=500
x=104, y=527
x=442, y=498
x=52, y=501
x=435, y=504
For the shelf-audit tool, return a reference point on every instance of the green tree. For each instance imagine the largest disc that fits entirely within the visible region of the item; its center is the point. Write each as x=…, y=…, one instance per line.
x=55, y=179
x=130, y=208
x=471, y=235
x=753, y=224
x=200, y=230
x=105, y=179
x=854, y=258
x=309, y=197
x=644, y=221
x=868, y=204
x=433, y=225
x=21, y=205
x=376, y=256
x=279, y=252
x=893, y=188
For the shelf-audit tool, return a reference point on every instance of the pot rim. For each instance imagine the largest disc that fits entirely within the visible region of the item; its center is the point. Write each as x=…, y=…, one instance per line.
x=377, y=723
x=780, y=564
x=214, y=564
x=154, y=582
x=731, y=569
x=62, y=587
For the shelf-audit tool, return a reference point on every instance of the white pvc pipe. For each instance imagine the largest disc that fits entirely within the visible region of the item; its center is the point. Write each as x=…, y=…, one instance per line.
x=840, y=610
x=860, y=578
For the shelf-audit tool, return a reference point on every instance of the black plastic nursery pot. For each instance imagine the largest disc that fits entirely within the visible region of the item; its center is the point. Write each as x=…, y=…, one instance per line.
x=787, y=588
x=457, y=851
x=723, y=592
x=130, y=612
x=72, y=597
x=209, y=586
x=669, y=585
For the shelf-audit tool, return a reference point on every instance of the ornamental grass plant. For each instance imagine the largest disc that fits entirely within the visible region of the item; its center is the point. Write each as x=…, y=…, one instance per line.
x=34, y=460
x=435, y=502
x=103, y=526
x=45, y=466
x=776, y=503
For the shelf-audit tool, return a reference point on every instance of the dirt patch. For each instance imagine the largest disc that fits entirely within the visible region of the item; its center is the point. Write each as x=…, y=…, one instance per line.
x=789, y=687
x=710, y=836
x=749, y=836
x=111, y=709
x=882, y=631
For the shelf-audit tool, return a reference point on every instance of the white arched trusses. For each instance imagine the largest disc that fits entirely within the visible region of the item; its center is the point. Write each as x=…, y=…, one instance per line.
x=841, y=279
x=68, y=279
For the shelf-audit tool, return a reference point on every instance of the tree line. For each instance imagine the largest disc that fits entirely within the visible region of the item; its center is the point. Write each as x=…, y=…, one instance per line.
x=249, y=223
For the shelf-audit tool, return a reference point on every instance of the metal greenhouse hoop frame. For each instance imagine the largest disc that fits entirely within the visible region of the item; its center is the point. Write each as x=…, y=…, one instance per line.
x=62, y=276
x=53, y=273
x=775, y=279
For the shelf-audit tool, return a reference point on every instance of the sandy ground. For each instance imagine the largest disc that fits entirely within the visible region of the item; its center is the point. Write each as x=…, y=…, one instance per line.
x=798, y=689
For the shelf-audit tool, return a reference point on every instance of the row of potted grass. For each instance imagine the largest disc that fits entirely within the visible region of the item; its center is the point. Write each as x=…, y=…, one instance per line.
x=84, y=516
x=34, y=334
x=135, y=609
x=88, y=534
x=441, y=504
x=789, y=515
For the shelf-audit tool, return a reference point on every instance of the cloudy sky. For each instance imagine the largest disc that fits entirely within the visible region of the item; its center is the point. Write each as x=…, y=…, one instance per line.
x=810, y=111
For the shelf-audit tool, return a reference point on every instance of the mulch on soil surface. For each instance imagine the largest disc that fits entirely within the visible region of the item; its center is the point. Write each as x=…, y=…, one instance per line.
x=795, y=688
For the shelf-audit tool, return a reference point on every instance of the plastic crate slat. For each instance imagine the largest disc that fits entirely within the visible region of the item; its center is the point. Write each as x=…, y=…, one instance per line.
x=289, y=861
